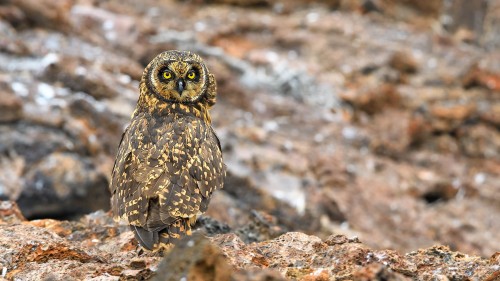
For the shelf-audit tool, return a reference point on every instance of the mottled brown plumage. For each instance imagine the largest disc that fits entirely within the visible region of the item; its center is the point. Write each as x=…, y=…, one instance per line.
x=169, y=160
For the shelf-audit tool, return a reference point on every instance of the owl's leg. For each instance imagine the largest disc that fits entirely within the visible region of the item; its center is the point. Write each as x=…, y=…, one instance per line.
x=174, y=232
x=139, y=250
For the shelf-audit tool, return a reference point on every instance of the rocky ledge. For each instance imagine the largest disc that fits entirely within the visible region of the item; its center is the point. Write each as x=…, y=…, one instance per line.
x=95, y=248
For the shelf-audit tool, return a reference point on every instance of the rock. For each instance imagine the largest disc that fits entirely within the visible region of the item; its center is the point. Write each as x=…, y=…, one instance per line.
x=24, y=247
x=492, y=115
x=330, y=170
x=447, y=118
x=10, y=213
x=33, y=248
x=376, y=272
x=440, y=191
x=252, y=198
x=21, y=147
x=194, y=258
x=407, y=10
x=95, y=129
x=479, y=141
x=440, y=257
x=413, y=10
x=11, y=107
x=210, y=226
x=257, y=275
x=11, y=14
x=61, y=228
x=32, y=143
x=241, y=2
x=478, y=77
x=11, y=181
x=453, y=126
x=457, y=113
x=403, y=62
x=47, y=13
x=490, y=35
x=388, y=137
x=117, y=29
x=262, y=227
x=459, y=16
x=30, y=164
x=62, y=185
x=373, y=100
x=10, y=42
x=72, y=74
x=303, y=257
x=419, y=127
x=232, y=247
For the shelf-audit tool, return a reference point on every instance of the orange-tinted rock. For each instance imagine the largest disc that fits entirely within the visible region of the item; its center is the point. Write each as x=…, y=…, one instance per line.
x=11, y=106
x=47, y=13
x=10, y=213
x=303, y=257
x=194, y=258
x=404, y=62
x=376, y=271
x=478, y=77
x=22, y=244
x=374, y=100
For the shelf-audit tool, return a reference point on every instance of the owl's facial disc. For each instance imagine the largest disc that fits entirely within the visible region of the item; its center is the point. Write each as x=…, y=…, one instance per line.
x=181, y=81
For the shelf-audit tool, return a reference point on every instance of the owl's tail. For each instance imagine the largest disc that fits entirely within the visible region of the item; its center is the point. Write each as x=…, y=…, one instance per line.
x=147, y=239
x=162, y=239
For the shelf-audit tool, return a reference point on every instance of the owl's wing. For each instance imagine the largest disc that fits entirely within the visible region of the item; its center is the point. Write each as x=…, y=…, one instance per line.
x=122, y=182
x=208, y=170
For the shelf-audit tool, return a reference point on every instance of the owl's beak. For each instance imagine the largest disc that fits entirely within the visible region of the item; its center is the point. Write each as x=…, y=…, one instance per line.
x=181, y=84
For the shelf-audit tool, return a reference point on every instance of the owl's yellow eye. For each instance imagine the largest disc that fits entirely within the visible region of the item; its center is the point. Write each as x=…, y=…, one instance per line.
x=167, y=75
x=191, y=75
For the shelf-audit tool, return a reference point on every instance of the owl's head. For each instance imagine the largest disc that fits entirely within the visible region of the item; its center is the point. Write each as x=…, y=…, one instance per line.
x=179, y=77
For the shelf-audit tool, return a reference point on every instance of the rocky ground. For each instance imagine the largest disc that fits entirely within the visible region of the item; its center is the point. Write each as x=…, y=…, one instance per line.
x=354, y=132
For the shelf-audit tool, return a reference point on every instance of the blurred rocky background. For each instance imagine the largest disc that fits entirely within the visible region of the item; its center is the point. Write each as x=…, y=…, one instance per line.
x=375, y=119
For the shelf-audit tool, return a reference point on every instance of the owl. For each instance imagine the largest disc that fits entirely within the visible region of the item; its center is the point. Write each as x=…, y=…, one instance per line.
x=169, y=160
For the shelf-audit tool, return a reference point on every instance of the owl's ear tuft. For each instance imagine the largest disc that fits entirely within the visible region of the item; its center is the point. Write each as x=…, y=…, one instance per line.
x=211, y=94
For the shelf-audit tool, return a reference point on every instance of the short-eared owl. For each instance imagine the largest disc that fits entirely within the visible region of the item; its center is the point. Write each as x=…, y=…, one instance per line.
x=169, y=160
